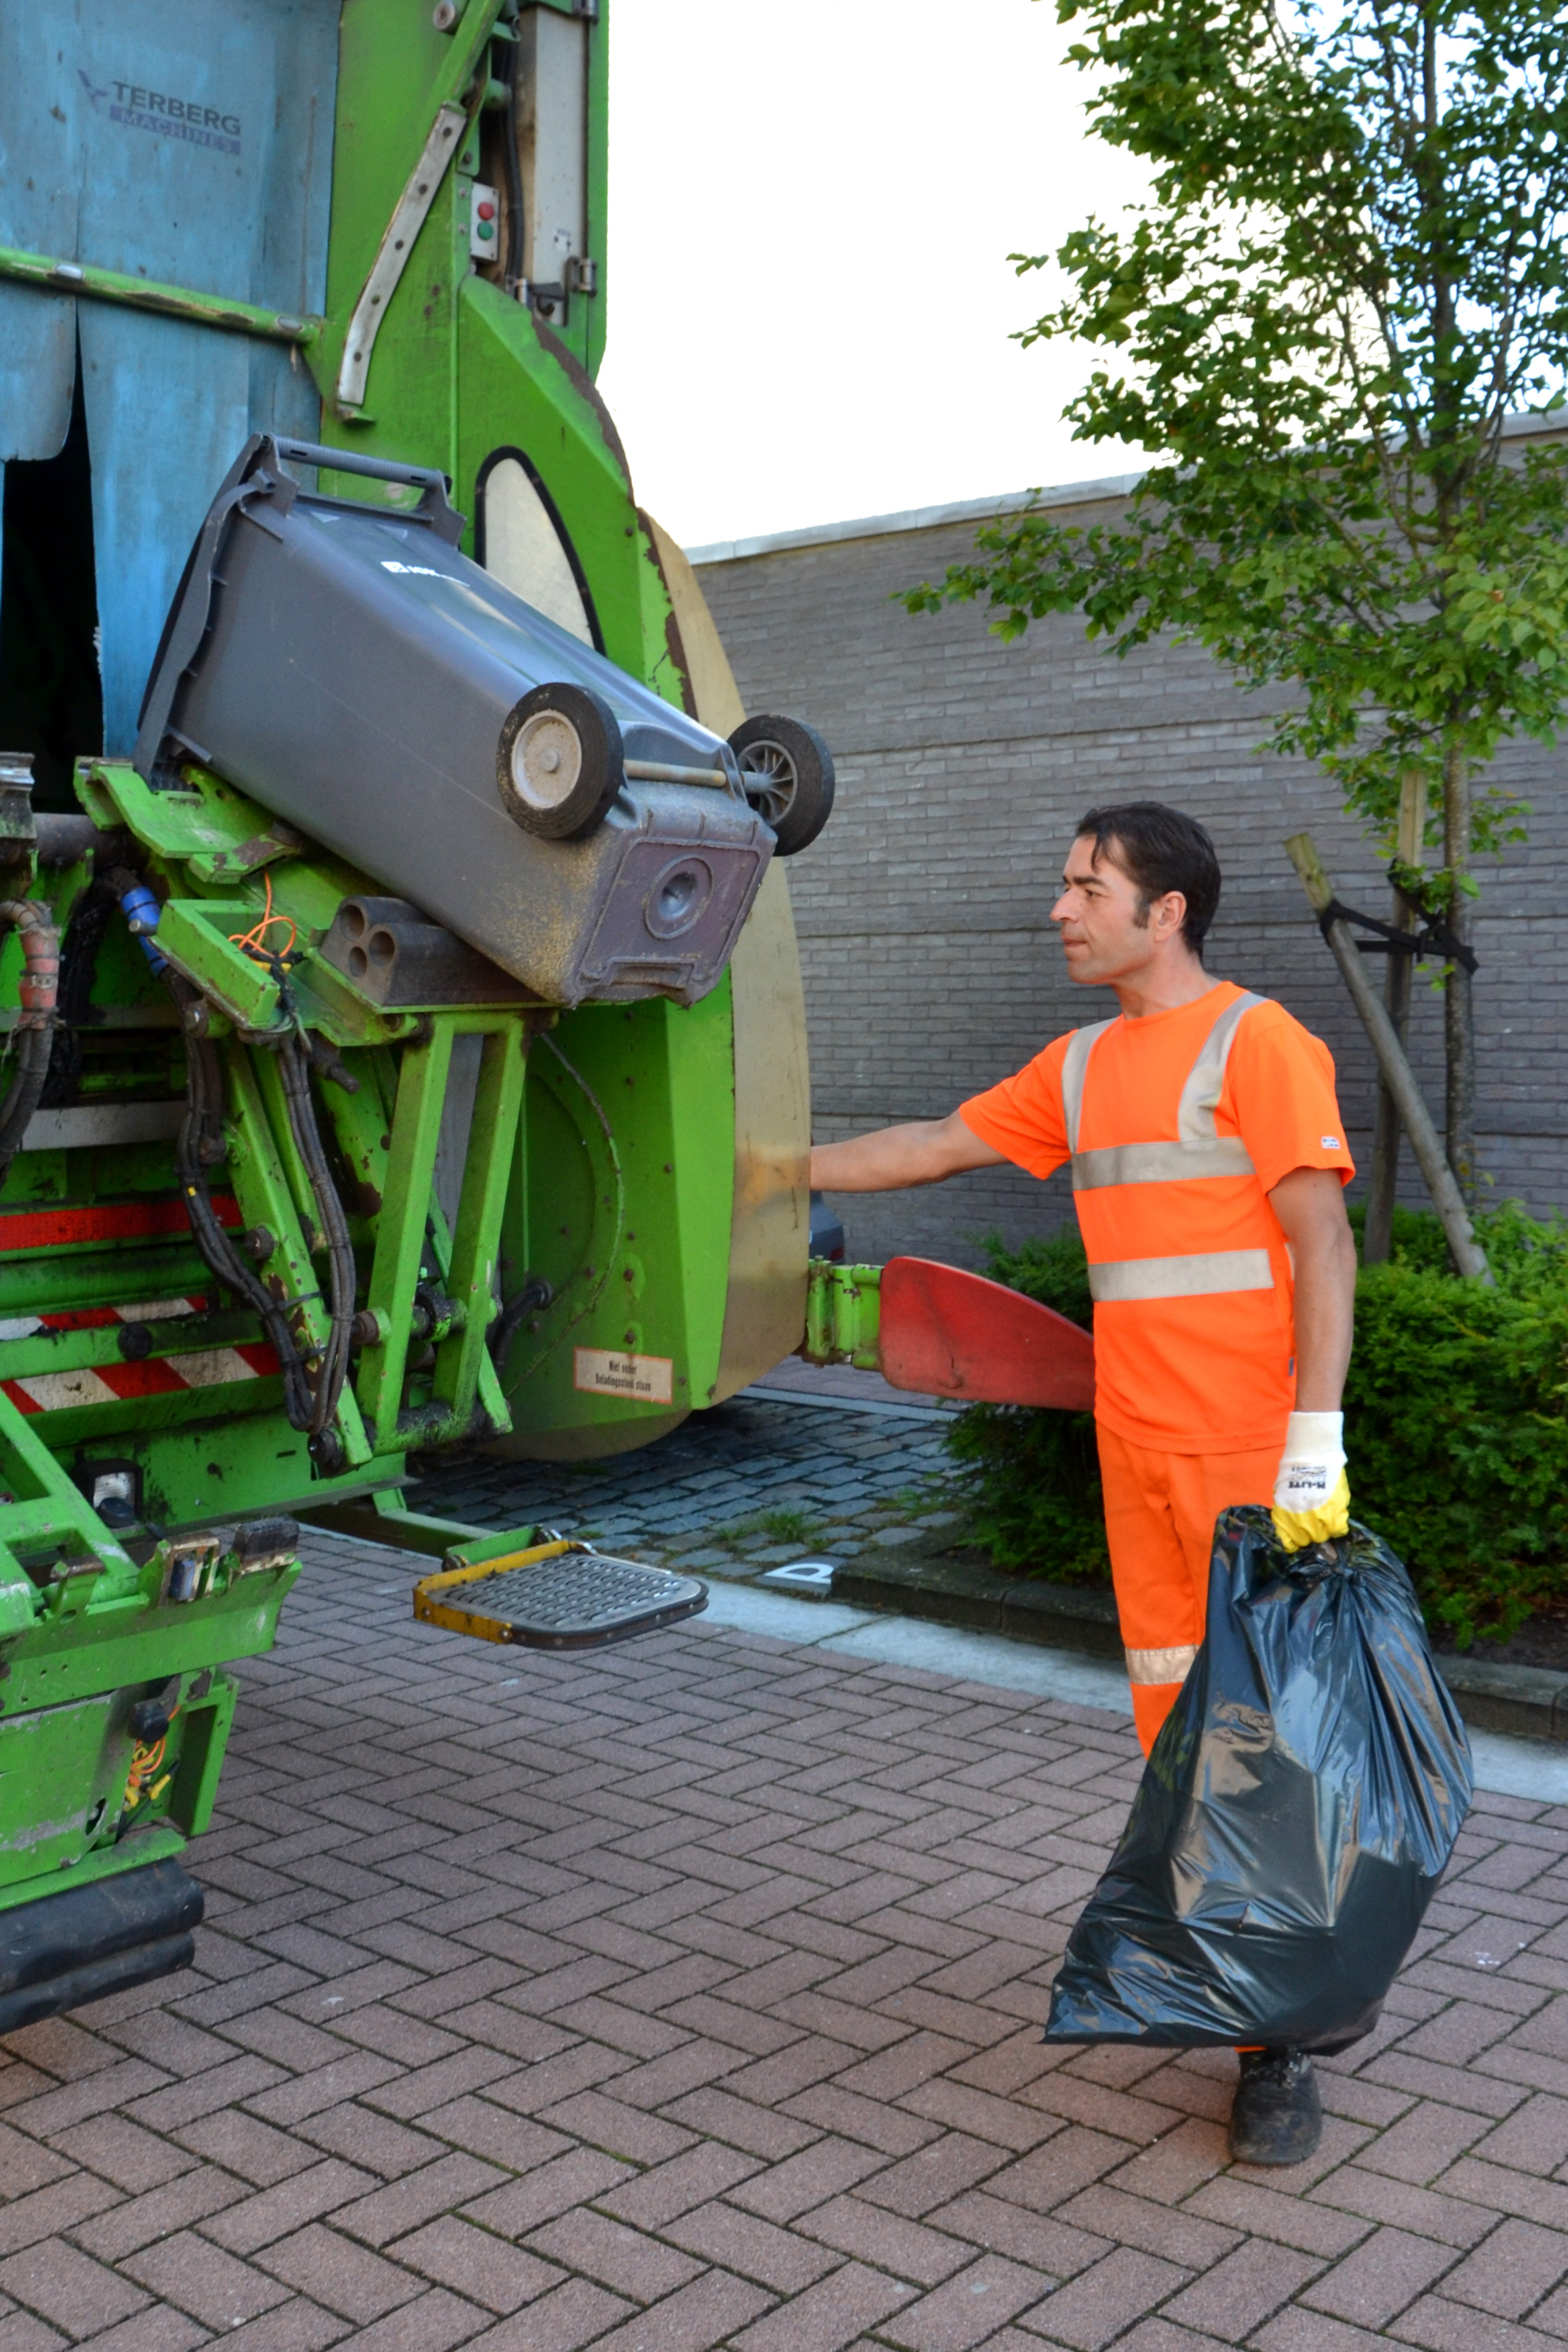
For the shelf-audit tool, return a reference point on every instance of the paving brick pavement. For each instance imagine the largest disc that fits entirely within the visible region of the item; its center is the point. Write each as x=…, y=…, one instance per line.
x=688, y=1994
x=708, y=1495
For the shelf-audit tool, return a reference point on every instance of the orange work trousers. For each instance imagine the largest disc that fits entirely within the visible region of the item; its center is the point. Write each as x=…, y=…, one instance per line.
x=1160, y=1511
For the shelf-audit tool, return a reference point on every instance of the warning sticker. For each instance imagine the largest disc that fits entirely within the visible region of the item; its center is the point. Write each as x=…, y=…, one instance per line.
x=649, y=1379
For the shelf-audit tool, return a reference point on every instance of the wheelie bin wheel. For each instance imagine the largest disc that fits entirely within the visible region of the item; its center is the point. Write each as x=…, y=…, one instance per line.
x=786, y=774
x=558, y=764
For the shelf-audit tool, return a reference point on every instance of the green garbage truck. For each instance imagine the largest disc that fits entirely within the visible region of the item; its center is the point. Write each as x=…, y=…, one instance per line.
x=404, y=1037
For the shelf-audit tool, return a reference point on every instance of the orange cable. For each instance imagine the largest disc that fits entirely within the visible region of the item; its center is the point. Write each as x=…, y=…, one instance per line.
x=250, y=942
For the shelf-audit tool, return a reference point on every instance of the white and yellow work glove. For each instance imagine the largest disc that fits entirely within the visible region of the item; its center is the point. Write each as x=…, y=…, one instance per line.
x=1311, y=1492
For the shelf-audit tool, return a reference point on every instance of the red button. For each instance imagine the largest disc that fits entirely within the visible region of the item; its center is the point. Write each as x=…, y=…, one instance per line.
x=487, y=212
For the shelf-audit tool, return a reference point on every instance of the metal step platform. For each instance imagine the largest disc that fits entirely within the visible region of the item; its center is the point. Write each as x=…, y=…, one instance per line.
x=557, y=1596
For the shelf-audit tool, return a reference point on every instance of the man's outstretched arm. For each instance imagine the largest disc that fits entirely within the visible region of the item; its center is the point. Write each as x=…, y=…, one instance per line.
x=894, y=1158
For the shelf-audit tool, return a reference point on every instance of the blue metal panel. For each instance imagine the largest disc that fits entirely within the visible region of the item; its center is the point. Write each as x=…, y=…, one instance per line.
x=156, y=460
x=203, y=130
x=37, y=370
x=38, y=212
x=187, y=141
x=38, y=181
x=156, y=463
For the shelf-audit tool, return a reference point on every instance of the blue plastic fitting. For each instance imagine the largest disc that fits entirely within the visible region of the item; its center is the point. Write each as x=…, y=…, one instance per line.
x=141, y=910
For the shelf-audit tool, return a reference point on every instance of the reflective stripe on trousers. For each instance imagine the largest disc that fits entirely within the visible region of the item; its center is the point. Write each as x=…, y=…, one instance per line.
x=1155, y=1667
x=1200, y=1151
x=1160, y=1511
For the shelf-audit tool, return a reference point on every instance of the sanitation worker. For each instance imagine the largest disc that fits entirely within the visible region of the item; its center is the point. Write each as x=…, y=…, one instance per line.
x=1208, y=1160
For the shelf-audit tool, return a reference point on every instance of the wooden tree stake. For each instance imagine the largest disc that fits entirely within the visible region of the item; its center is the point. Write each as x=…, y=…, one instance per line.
x=1392, y=1061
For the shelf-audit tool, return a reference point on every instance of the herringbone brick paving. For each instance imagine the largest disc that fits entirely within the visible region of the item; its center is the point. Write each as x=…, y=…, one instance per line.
x=688, y=1994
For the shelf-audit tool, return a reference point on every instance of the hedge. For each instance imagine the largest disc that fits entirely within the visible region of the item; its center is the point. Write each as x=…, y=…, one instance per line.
x=1456, y=1425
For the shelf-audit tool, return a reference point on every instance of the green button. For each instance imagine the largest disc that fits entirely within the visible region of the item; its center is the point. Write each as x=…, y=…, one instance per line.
x=485, y=229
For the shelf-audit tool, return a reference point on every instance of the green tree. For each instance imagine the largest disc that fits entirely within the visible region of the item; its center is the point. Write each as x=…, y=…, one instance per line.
x=1350, y=271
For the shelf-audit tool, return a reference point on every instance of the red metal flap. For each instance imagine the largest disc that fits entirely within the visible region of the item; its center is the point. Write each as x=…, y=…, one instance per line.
x=949, y=1333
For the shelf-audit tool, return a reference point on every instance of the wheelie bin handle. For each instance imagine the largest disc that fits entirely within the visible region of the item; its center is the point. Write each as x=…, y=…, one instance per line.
x=350, y=461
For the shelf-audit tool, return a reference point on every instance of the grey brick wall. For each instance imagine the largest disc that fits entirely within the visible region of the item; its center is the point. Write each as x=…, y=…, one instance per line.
x=932, y=968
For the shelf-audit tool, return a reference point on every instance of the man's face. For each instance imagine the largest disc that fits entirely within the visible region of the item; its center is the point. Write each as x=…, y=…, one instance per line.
x=1104, y=937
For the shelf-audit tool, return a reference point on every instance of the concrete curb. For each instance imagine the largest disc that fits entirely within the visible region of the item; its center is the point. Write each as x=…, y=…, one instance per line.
x=1525, y=1702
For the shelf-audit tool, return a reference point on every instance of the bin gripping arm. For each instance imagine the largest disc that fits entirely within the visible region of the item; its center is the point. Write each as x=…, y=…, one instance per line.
x=939, y=1331
x=843, y=1314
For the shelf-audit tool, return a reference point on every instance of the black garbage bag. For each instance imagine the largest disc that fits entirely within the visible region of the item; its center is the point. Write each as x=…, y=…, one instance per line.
x=1301, y=1804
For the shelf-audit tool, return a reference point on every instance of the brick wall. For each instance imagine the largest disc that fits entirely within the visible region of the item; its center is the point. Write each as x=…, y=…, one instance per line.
x=932, y=968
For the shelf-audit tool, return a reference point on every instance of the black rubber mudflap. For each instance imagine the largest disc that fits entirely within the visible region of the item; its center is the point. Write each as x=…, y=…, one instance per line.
x=63, y=1950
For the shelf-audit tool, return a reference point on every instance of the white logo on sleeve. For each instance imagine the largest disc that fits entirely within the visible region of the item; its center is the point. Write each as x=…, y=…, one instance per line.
x=1331, y=1143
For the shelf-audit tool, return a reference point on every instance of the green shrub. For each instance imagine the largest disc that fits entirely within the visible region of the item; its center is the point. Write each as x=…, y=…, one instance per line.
x=1456, y=1425
x=1032, y=1479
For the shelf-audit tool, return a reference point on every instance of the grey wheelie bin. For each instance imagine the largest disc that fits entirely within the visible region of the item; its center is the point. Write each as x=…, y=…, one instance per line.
x=349, y=668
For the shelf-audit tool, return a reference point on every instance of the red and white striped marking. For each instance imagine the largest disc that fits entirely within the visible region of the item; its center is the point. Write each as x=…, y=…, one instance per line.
x=200, y=1368
x=107, y=1221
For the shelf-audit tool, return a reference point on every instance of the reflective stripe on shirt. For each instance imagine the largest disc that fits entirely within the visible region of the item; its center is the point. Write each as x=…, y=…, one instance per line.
x=1201, y=1153
x=1199, y=1274
x=1160, y=1163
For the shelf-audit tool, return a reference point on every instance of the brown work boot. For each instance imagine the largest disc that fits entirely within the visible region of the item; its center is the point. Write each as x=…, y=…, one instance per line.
x=1277, y=2116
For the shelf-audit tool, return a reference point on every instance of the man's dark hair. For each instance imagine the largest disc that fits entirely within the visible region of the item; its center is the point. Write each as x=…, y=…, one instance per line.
x=1159, y=849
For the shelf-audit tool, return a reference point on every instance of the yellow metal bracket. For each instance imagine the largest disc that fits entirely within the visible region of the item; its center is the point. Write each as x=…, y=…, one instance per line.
x=468, y=1620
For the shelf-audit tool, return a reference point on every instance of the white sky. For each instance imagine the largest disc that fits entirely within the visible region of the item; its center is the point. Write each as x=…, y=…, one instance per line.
x=811, y=207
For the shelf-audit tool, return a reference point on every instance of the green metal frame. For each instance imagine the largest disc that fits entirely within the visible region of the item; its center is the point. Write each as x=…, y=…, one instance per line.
x=145, y=294
x=86, y=1630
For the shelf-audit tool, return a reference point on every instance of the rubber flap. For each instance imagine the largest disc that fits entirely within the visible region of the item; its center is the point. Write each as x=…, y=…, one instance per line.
x=948, y=1333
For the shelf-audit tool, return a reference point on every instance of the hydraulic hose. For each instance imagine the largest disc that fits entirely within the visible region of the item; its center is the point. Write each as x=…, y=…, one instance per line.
x=310, y=1408
x=535, y=1295
x=201, y=1143
x=34, y=1035
x=79, y=945
x=294, y=1067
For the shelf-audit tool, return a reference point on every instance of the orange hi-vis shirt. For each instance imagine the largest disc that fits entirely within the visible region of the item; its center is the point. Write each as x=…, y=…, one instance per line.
x=1178, y=1127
